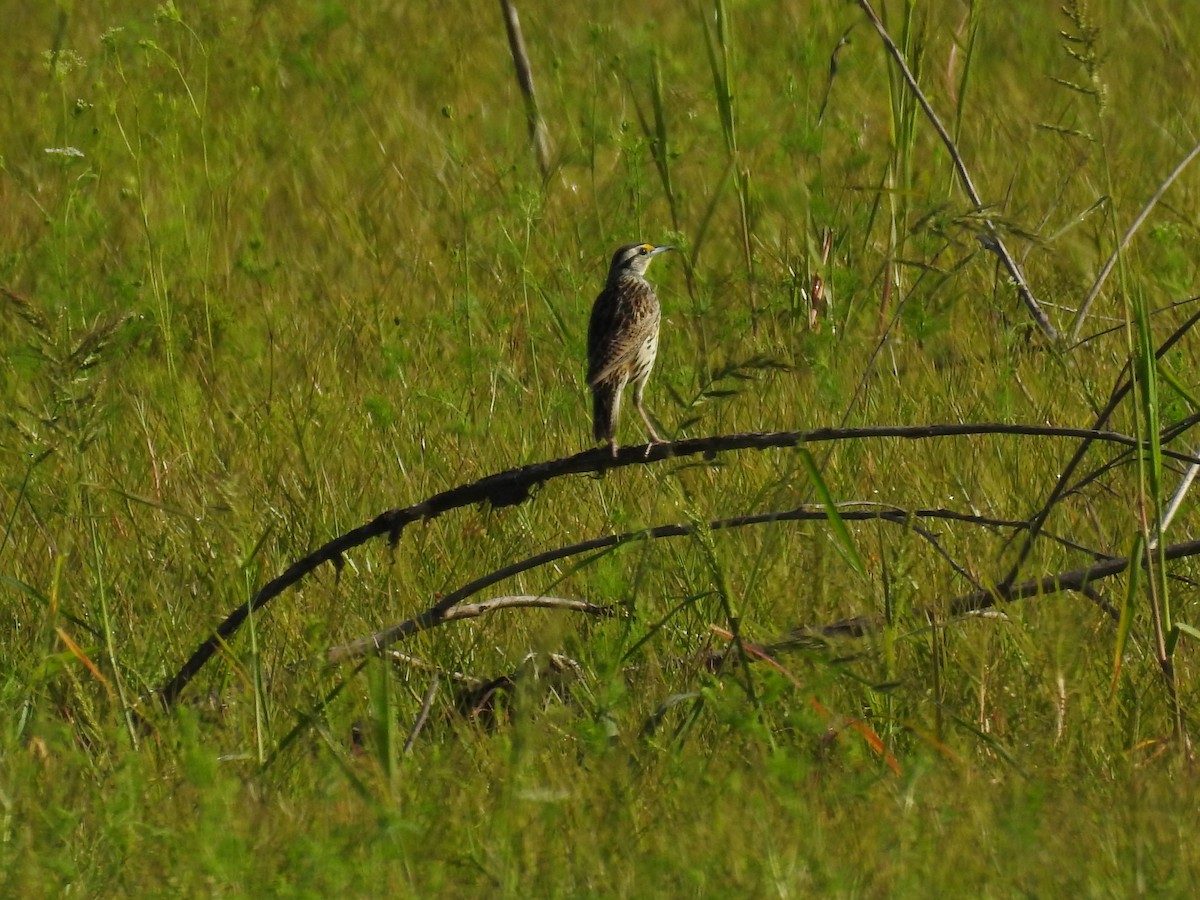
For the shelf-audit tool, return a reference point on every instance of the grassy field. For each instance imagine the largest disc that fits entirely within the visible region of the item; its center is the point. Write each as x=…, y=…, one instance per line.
x=267, y=271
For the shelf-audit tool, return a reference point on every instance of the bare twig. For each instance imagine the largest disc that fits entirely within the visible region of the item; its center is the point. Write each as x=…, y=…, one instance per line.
x=1122, y=325
x=1168, y=515
x=383, y=638
x=1071, y=580
x=995, y=242
x=537, y=127
x=406, y=661
x=1132, y=230
x=528, y=601
x=1124, y=457
x=423, y=715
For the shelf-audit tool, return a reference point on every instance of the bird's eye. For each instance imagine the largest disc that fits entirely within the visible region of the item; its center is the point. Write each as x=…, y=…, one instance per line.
x=642, y=251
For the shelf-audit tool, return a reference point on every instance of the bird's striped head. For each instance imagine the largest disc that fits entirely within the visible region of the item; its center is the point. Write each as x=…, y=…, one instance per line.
x=633, y=259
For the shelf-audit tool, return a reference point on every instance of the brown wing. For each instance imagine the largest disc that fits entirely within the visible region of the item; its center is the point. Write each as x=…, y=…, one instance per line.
x=623, y=318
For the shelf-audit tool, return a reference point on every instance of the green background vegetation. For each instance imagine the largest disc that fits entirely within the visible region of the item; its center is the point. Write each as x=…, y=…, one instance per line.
x=271, y=269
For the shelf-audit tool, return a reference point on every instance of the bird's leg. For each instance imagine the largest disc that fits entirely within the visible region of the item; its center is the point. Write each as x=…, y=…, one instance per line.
x=655, y=440
x=637, y=401
x=612, y=445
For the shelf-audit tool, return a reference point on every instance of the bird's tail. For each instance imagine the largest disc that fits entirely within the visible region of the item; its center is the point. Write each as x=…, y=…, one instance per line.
x=606, y=402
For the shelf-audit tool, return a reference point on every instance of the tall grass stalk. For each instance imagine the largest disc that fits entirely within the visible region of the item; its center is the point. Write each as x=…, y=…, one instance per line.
x=257, y=687
x=1085, y=307
x=107, y=627
x=972, y=22
x=384, y=745
x=716, y=570
x=660, y=139
x=719, y=44
x=898, y=174
x=538, y=134
x=1150, y=506
x=1083, y=48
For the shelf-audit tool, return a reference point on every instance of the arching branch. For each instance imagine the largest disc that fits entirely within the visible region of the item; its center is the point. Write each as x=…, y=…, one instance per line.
x=516, y=485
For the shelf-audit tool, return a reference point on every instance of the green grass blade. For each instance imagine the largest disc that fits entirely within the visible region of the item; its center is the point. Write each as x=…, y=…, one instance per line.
x=1125, y=624
x=844, y=542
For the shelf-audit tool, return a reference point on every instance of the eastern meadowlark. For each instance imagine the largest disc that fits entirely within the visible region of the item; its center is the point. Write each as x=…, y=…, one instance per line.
x=623, y=340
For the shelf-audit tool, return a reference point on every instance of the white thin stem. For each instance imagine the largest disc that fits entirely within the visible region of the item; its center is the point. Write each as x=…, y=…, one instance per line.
x=1132, y=230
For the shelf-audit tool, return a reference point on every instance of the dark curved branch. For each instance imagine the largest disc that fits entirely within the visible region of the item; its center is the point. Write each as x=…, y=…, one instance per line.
x=1080, y=579
x=516, y=485
x=1070, y=580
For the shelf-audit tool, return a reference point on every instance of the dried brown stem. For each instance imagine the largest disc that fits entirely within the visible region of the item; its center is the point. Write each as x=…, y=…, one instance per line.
x=995, y=242
x=387, y=636
x=537, y=127
x=423, y=715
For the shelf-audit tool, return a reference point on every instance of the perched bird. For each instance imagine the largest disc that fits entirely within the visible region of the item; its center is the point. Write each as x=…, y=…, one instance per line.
x=623, y=340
